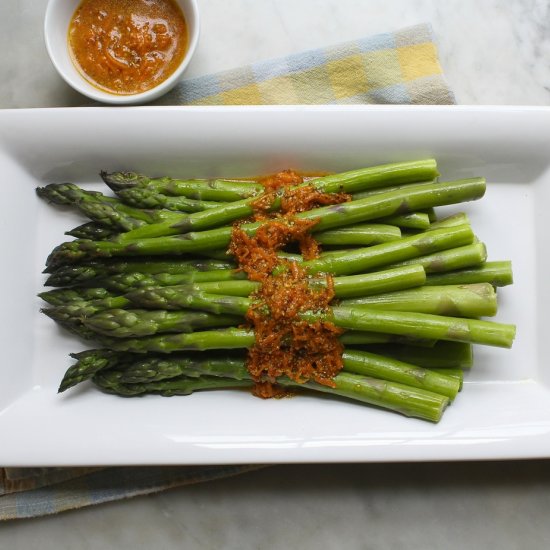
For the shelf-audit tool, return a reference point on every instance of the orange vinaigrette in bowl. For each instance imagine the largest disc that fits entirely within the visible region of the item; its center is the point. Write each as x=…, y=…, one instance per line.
x=127, y=47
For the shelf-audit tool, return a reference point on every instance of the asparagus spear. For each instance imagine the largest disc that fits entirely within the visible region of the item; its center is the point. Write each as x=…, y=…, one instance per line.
x=227, y=338
x=406, y=400
x=495, y=273
x=476, y=300
x=119, y=323
x=443, y=355
x=85, y=273
x=377, y=190
x=125, y=282
x=438, y=327
x=154, y=368
x=366, y=338
x=449, y=260
x=100, y=208
x=143, y=197
x=380, y=176
x=108, y=381
x=385, y=368
x=212, y=190
x=359, y=234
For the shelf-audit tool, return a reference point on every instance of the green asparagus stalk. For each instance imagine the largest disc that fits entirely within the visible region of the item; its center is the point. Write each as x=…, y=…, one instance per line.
x=476, y=300
x=366, y=338
x=126, y=282
x=143, y=197
x=413, y=402
x=211, y=190
x=109, y=382
x=225, y=338
x=495, y=273
x=398, y=173
x=156, y=368
x=442, y=355
x=86, y=273
x=377, y=190
x=359, y=234
x=451, y=259
x=385, y=368
x=423, y=325
x=119, y=323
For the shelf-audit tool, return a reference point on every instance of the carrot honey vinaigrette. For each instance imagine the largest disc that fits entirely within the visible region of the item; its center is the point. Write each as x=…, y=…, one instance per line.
x=285, y=345
x=126, y=47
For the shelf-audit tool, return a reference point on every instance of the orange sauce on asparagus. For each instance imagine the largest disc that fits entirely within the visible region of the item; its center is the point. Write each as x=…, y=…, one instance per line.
x=285, y=344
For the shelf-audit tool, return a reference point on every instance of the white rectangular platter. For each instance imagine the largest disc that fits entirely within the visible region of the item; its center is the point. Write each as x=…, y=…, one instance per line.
x=503, y=411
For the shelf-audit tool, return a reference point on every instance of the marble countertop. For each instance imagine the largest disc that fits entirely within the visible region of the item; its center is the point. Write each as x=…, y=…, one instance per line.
x=492, y=52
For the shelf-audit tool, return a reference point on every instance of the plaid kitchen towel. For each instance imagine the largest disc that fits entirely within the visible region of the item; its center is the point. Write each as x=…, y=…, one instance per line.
x=393, y=68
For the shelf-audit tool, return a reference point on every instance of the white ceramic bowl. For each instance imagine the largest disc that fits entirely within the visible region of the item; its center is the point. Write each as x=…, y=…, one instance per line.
x=56, y=25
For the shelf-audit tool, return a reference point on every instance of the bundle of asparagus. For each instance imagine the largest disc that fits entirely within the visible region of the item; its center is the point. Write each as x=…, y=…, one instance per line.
x=152, y=281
